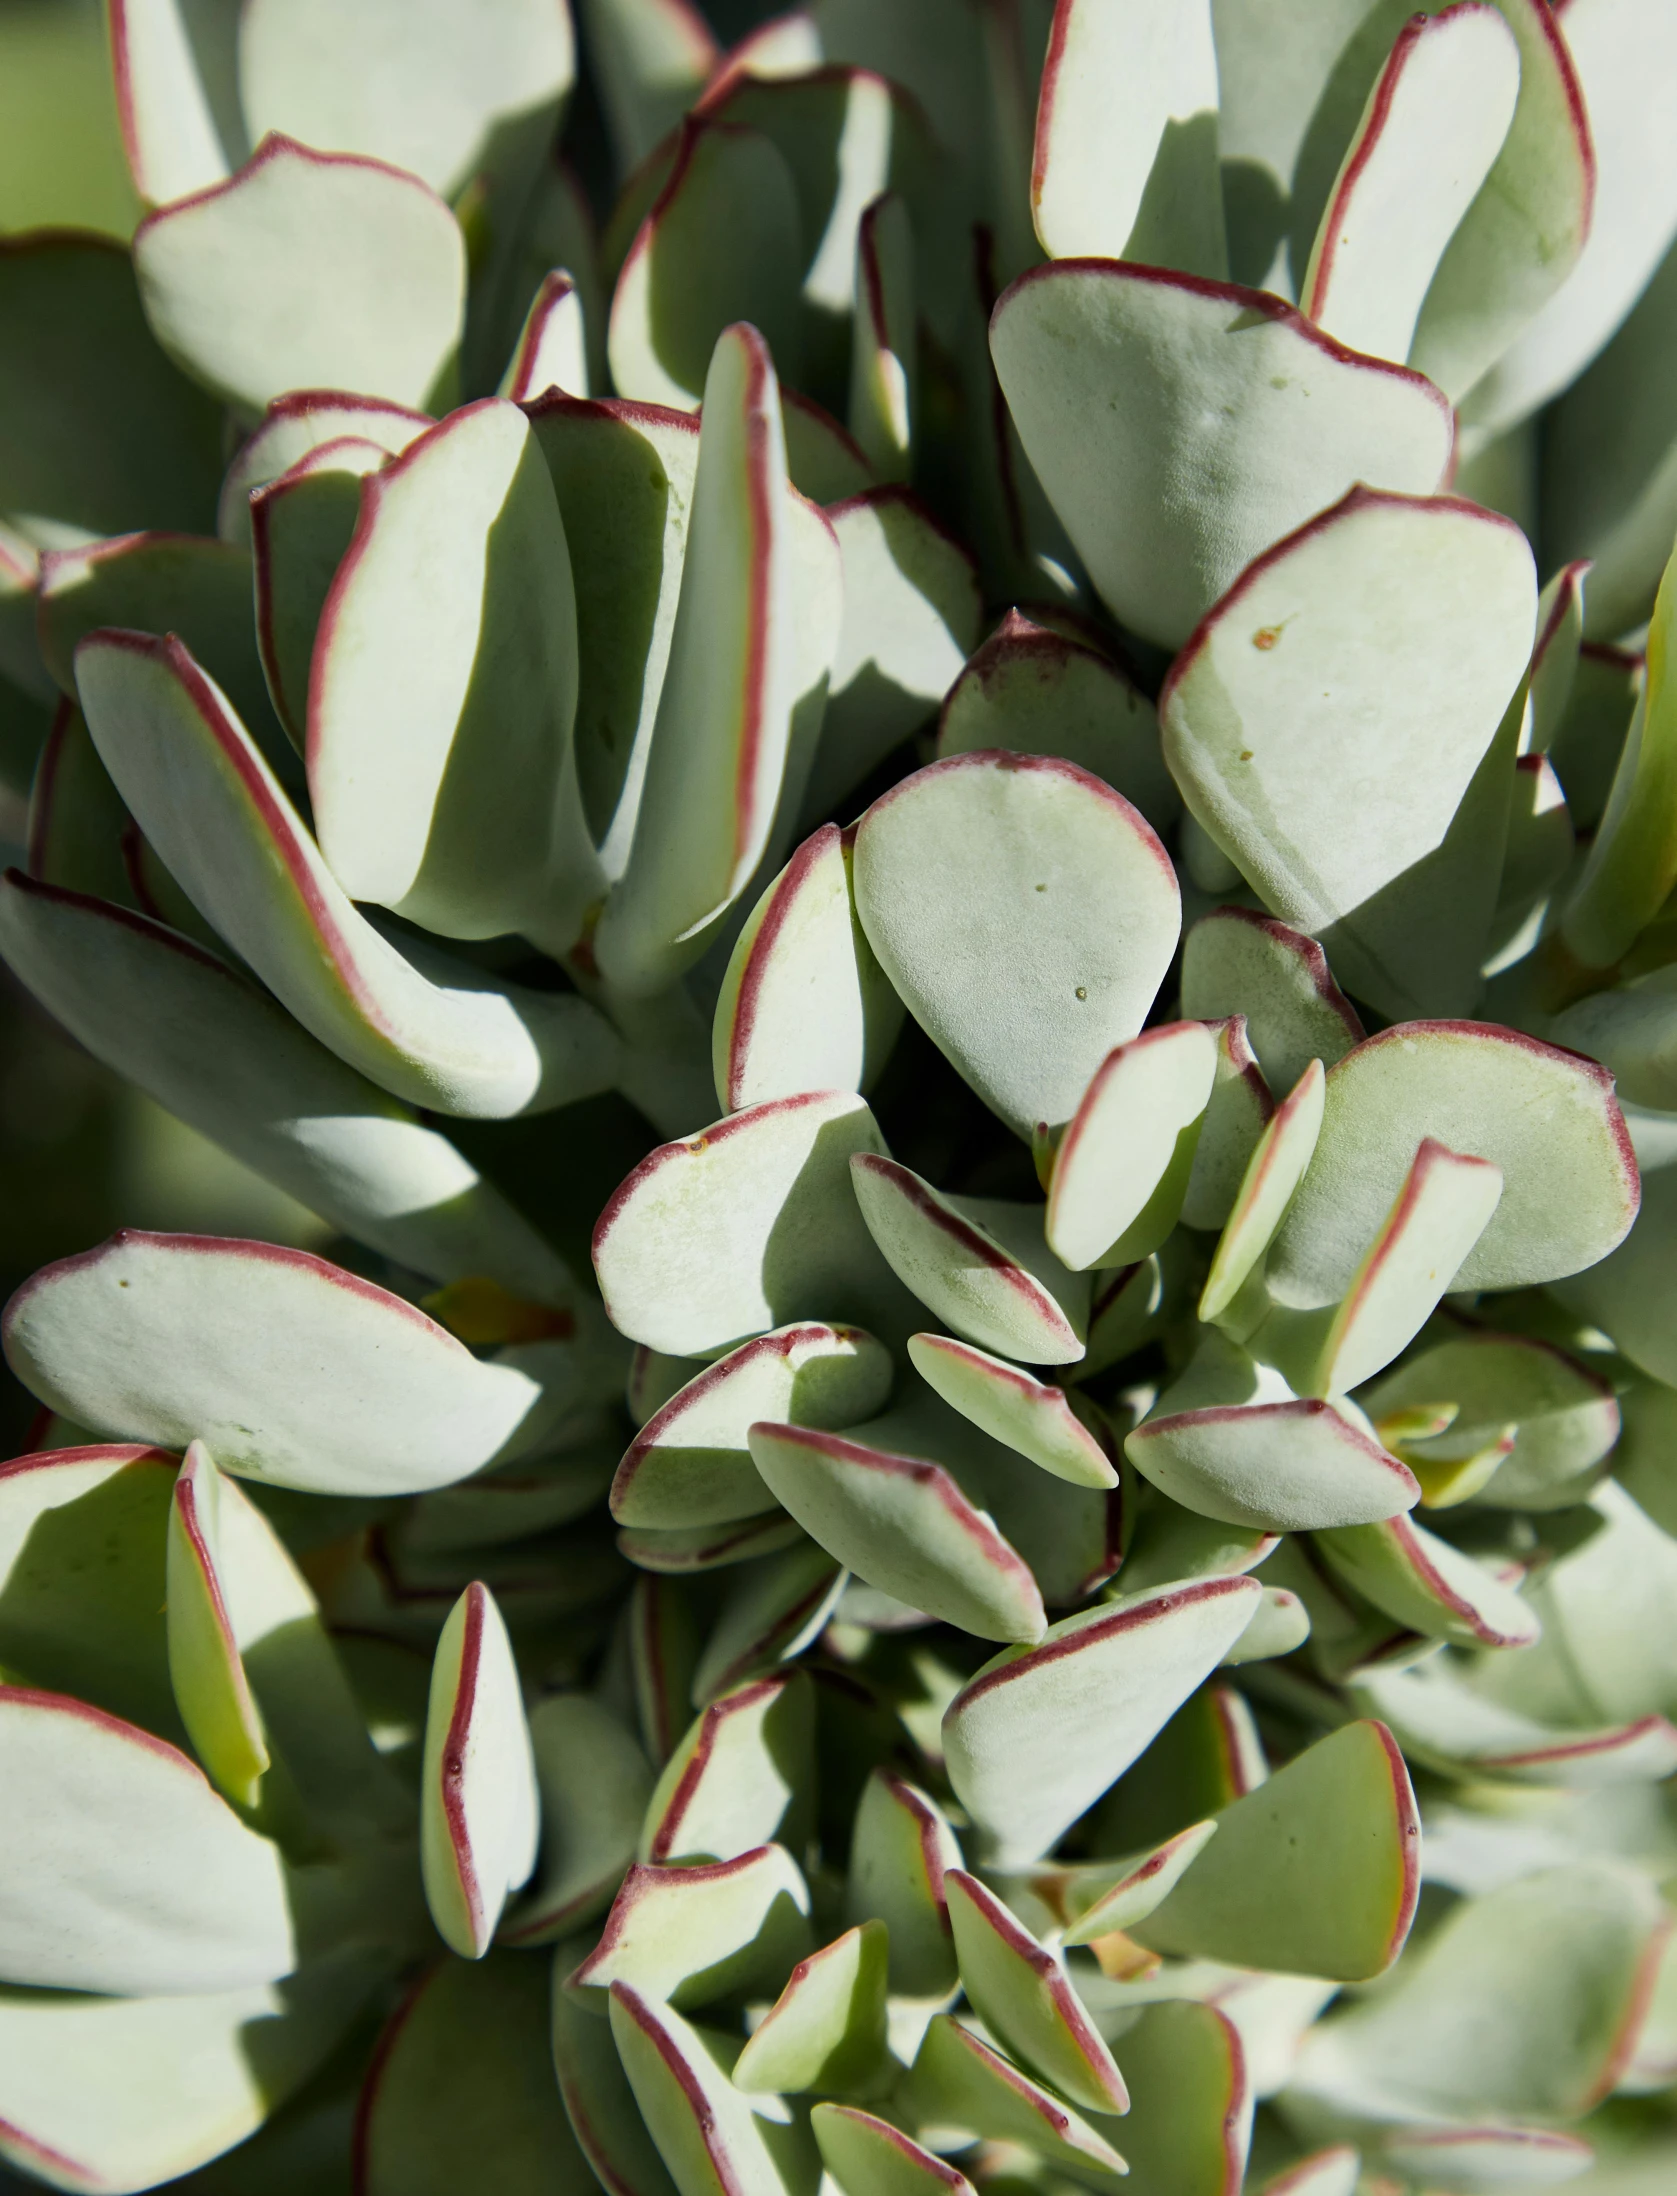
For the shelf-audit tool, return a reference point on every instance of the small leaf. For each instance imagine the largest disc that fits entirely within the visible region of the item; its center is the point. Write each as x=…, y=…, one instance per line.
x=1207, y=1756
x=1282, y=1467
x=826, y=2030
x=901, y=1523
x=121, y=1870
x=1030, y=1416
x=178, y=109
x=1025, y=914
x=1238, y=961
x=690, y=1464
x=1546, y=1118
x=803, y=1005
x=900, y=1851
x=1428, y=1585
x=1445, y=1205
x=306, y=270
x=867, y=2156
x=1122, y=1167
x=552, y=347
x=594, y=1782
x=884, y=361
x=481, y=1809
x=738, y=1778
x=1447, y=1725
x=703, y=1931
x=204, y=1661
x=1315, y=1873
x=1025, y=1999
x=300, y=526
x=604, y=2116
x=1234, y=1122
x=1112, y=1676
x=706, y=2132
x=1107, y=1895
x=708, y=1547
x=1165, y=507
x=976, y=1262
x=268, y=1355
x=1498, y=2157
x=1332, y=2172
x=1273, y=1173
x=1280, y=1625
x=823, y=461
x=1036, y=689
x=651, y=59
x=747, y=1226
x=958, y=2082
x=293, y=427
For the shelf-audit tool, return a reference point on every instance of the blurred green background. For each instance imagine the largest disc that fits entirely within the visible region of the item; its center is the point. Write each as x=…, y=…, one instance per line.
x=81, y=1154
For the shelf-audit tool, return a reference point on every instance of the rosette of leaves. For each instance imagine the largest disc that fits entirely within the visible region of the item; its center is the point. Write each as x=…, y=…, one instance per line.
x=1144, y=1328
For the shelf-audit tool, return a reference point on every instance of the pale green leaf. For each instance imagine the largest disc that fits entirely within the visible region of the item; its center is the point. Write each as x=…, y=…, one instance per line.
x=868, y=2156
x=1031, y=1416
x=738, y=1778
x=1429, y=1585
x=1238, y=961
x=703, y=1931
x=826, y=2030
x=958, y=2086
x=552, y=348
x=1188, y=2131
x=1122, y=1167
x=900, y=1850
x=211, y=1687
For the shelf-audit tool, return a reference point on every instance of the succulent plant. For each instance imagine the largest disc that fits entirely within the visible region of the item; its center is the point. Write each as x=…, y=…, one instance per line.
x=1078, y=1575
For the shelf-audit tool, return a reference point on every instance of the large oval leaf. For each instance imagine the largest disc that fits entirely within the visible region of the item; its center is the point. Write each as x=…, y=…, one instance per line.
x=1025, y=913
x=1180, y=427
x=269, y=1356
x=1547, y=1118
x=1286, y=1467
x=120, y=1869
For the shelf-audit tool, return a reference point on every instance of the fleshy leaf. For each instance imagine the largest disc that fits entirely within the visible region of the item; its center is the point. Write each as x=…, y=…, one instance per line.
x=443, y=690
x=296, y=425
x=204, y=1661
x=1031, y=1416
x=595, y=1782
x=1280, y=1624
x=1273, y=1173
x=719, y=246
x=220, y=1055
x=958, y=2082
x=867, y=2156
x=289, y=1369
x=1165, y=507
x=1037, y=690
x=826, y=2030
x=300, y=526
x=884, y=356
x=1112, y=1676
x=1234, y=1123
x=452, y=1039
x=1150, y=190
x=1286, y=681
x=463, y=2074
x=1446, y=1203
x=1122, y=1167
x=747, y=1226
x=428, y=90
x=1238, y=961
x=481, y=1810
x=650, y=59
x=912, y=610
x=1521, y=237
x=1206, y=1757
x=120, y=1869
x=306, y=270
x=178, y=99
x=1315, y=1873
x=738, y=1778
x=902, y=1524
x=1111, y=1895
x=1458, y=1731
x=1025, y=1998
x=690, y=1464
x=1427, y=1584
x=604, y=2116
x=706, y=1930
x=900, y=1850
x=1025, y=914
x=1547, y=1118
x=1517, y=2005
x=803, y=1004
x=1434, y=124
x=976, y=1262
x=753, y=637
x=685, y=1548
x=1188, y=2131
x=552, y=348
x=706, y=2132
x=1284, y=1467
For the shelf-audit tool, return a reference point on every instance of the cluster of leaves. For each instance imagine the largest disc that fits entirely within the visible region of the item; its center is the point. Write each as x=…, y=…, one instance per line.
x=924, y=1671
